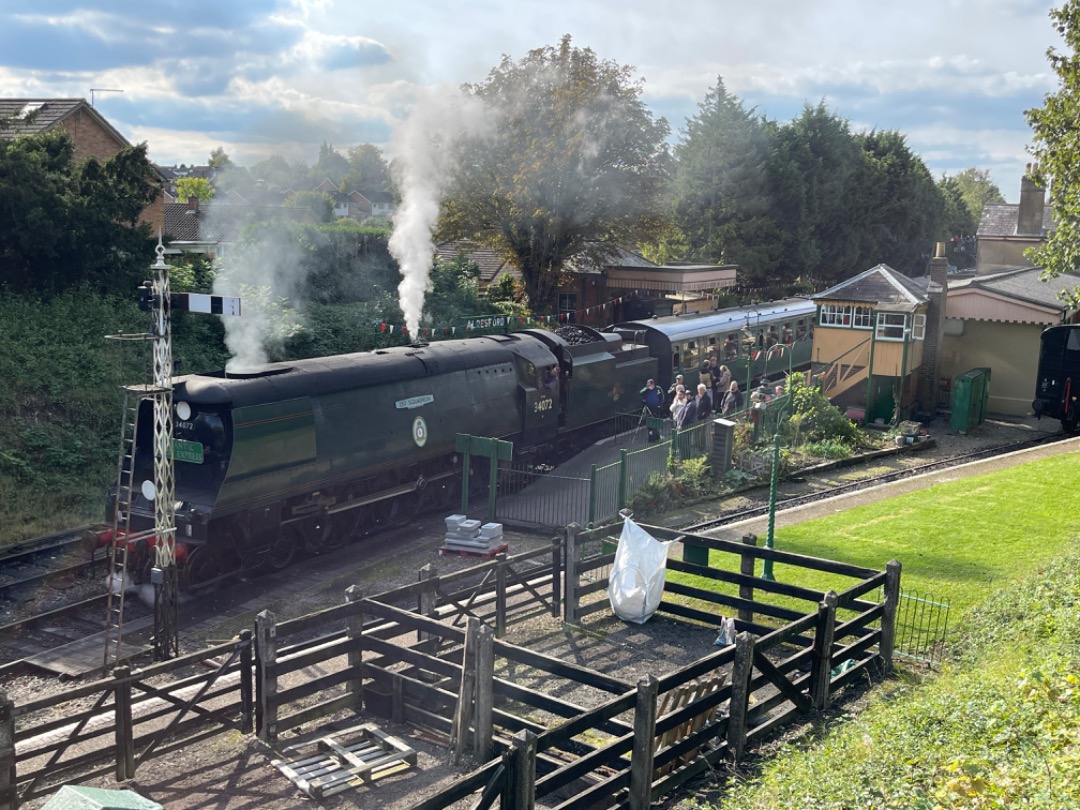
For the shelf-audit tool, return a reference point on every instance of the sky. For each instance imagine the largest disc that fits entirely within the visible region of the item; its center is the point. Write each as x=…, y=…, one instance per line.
x=260, y=77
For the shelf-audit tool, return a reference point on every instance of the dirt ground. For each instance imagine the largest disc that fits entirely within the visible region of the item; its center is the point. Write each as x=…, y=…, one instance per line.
x=233, y=772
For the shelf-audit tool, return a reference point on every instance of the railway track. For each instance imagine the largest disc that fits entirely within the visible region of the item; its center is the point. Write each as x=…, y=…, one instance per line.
x=24, y=633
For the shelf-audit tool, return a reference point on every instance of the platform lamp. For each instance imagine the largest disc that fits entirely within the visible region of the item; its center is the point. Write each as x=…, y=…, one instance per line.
x=767, y=567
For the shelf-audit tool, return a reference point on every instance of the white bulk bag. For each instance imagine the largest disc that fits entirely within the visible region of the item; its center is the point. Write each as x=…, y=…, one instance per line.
x=636, y=582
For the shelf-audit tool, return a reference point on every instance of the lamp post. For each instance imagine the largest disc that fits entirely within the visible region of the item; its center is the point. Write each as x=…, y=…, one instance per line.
x=767, y=567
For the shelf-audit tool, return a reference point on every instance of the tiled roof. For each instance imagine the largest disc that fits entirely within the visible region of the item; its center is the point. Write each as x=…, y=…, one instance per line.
x=1023, y=285
x=50, y=111
x=1000, y=219
x=489, y=261
x=375, y=196
x=224, y=223
x=878, y=285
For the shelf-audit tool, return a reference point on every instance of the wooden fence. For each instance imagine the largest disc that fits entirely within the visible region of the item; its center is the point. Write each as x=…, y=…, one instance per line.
x=433, y=654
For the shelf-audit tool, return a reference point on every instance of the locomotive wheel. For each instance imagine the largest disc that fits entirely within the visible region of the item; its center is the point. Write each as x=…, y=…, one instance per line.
x=202, y=566
x=282, y=550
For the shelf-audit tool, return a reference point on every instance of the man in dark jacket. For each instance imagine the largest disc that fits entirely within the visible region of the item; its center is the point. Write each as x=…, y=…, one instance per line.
x=652, y=397
x=703, y=404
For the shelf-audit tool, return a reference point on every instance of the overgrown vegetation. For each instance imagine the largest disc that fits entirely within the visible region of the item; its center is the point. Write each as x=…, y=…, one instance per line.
x=998, y=728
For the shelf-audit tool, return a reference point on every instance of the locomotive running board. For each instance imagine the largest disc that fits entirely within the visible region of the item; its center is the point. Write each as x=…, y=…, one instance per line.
x=404, y=489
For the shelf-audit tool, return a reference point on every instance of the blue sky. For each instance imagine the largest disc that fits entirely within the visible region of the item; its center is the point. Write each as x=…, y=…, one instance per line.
x=266, y=76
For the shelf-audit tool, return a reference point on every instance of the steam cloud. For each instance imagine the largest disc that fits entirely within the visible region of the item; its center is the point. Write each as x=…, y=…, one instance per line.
x=422, y=149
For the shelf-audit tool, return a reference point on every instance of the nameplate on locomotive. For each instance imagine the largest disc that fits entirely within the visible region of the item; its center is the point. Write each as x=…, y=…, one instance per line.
x=414, y=402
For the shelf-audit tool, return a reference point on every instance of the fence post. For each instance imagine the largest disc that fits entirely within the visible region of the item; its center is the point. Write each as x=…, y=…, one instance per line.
x=556, y=575
x=747, y=563
x=354, y=630
x=125, y=742
x=673, y=453
x=592, y=496
x=624, y=477
x=821, y=676
x=519, y=789
x=246, y=665
x=888, y=615
x=265, y=679
x=485, y=691
x=570, y=588
x=641, y=758
x=463, y=710
x=9, y=799
x=741, y=670
x=500, y=594
x=425, y=602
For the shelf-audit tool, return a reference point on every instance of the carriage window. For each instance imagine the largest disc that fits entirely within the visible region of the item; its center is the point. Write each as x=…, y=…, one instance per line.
x=731, y=346
x=690, y=355
x=675, y=360
x=1072, y=344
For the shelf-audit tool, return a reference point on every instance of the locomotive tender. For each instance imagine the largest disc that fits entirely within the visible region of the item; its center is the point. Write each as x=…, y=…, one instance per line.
x=305, y=454
x=1057, y=384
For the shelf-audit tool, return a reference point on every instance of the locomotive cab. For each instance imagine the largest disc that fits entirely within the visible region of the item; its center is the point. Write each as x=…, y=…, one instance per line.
x=1057, y=384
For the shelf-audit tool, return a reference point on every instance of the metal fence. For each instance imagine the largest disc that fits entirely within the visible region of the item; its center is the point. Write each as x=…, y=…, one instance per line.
x=921, y=625
x=537, y=496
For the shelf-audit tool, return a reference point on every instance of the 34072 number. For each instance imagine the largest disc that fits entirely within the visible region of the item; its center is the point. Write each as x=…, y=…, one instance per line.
x=542, y=405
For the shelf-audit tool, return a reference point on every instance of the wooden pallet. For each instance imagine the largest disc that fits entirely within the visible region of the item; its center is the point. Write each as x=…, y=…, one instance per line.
x=331, y=764
x=447, y=551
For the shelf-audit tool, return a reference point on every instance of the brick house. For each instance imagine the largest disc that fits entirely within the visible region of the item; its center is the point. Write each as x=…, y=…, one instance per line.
x=92, y=135
x=1006, y=230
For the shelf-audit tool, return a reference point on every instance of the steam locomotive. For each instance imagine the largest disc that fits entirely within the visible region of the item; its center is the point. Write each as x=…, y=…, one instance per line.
x=306, y=454
x=1057, y=385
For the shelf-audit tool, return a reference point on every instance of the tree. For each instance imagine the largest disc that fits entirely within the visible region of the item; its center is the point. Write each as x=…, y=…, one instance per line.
x=719, y=186
x=331, y=164
x=977, y=190
x=219, y=160
x=65, y=225
x=367, y=168
x=1057, y=149
x=198, y=187
x=573, y=165
x=318, y=201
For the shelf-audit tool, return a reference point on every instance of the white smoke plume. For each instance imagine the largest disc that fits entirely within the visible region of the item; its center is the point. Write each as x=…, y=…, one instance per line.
x=267, y=275
x=421, y=150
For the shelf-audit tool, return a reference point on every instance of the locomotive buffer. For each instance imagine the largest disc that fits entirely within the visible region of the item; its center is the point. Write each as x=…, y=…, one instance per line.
x=154, y=297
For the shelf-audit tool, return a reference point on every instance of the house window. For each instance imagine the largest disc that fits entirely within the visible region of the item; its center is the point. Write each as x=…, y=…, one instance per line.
x=862, y=318
x=890, y=325
x=567, y=302
x=918, y=329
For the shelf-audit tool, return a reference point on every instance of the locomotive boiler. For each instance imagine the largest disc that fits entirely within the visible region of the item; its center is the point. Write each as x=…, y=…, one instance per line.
x=305, y=454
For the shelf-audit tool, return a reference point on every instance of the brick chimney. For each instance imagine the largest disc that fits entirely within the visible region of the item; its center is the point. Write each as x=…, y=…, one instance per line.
x=935, y=330
x=192, y=205
x=1032, y=205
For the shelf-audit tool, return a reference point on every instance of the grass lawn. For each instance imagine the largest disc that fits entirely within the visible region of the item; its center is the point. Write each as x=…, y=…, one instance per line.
x=957, y=541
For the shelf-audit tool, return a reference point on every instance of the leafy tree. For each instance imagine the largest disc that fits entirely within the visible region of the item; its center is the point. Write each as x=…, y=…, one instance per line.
x=367, y=168
x=318, y=201
x=199, y=187
x=331, y=164
x=574, y=165
x=977, y=190
x=66, y=224
x=220, y=160
x=276, y=172
x=1057, y=149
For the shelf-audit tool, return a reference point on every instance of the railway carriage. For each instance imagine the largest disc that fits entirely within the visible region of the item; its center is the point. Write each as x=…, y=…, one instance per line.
x=751, y=341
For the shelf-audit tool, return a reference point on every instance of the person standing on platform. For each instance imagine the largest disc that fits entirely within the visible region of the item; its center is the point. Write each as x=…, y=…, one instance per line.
x=652, y=398
x=733, y=399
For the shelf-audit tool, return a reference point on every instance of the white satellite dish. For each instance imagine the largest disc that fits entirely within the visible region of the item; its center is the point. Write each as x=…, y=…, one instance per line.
x=183, y=411
x=148, y=490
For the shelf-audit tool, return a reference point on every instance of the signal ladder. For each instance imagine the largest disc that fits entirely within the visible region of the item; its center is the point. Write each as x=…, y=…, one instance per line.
x=122, y=538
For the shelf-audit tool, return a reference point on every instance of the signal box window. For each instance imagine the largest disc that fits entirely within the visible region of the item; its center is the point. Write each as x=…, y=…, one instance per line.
x=890, y=325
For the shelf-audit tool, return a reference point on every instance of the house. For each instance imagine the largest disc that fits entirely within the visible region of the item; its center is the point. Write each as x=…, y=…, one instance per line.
x=92, y=135
x=491, y=264
x=381, y=202
x=174, y=173
x=1006, y=230
x=210, y=229
x=994, y=321
x=875, y=343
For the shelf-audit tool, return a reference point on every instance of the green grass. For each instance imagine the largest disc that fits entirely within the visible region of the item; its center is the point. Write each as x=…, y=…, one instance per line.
x=957, y=541
x=1000, y=728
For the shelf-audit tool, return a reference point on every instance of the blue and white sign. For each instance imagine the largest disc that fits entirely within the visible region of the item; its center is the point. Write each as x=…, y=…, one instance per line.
x=414, y=402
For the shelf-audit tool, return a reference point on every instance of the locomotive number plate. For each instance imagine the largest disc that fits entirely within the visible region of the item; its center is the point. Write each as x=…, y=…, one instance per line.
x=183, y=450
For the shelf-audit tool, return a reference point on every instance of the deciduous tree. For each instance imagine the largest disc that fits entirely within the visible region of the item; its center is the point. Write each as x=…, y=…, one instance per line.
x=574, y=165
x=1057, y=149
